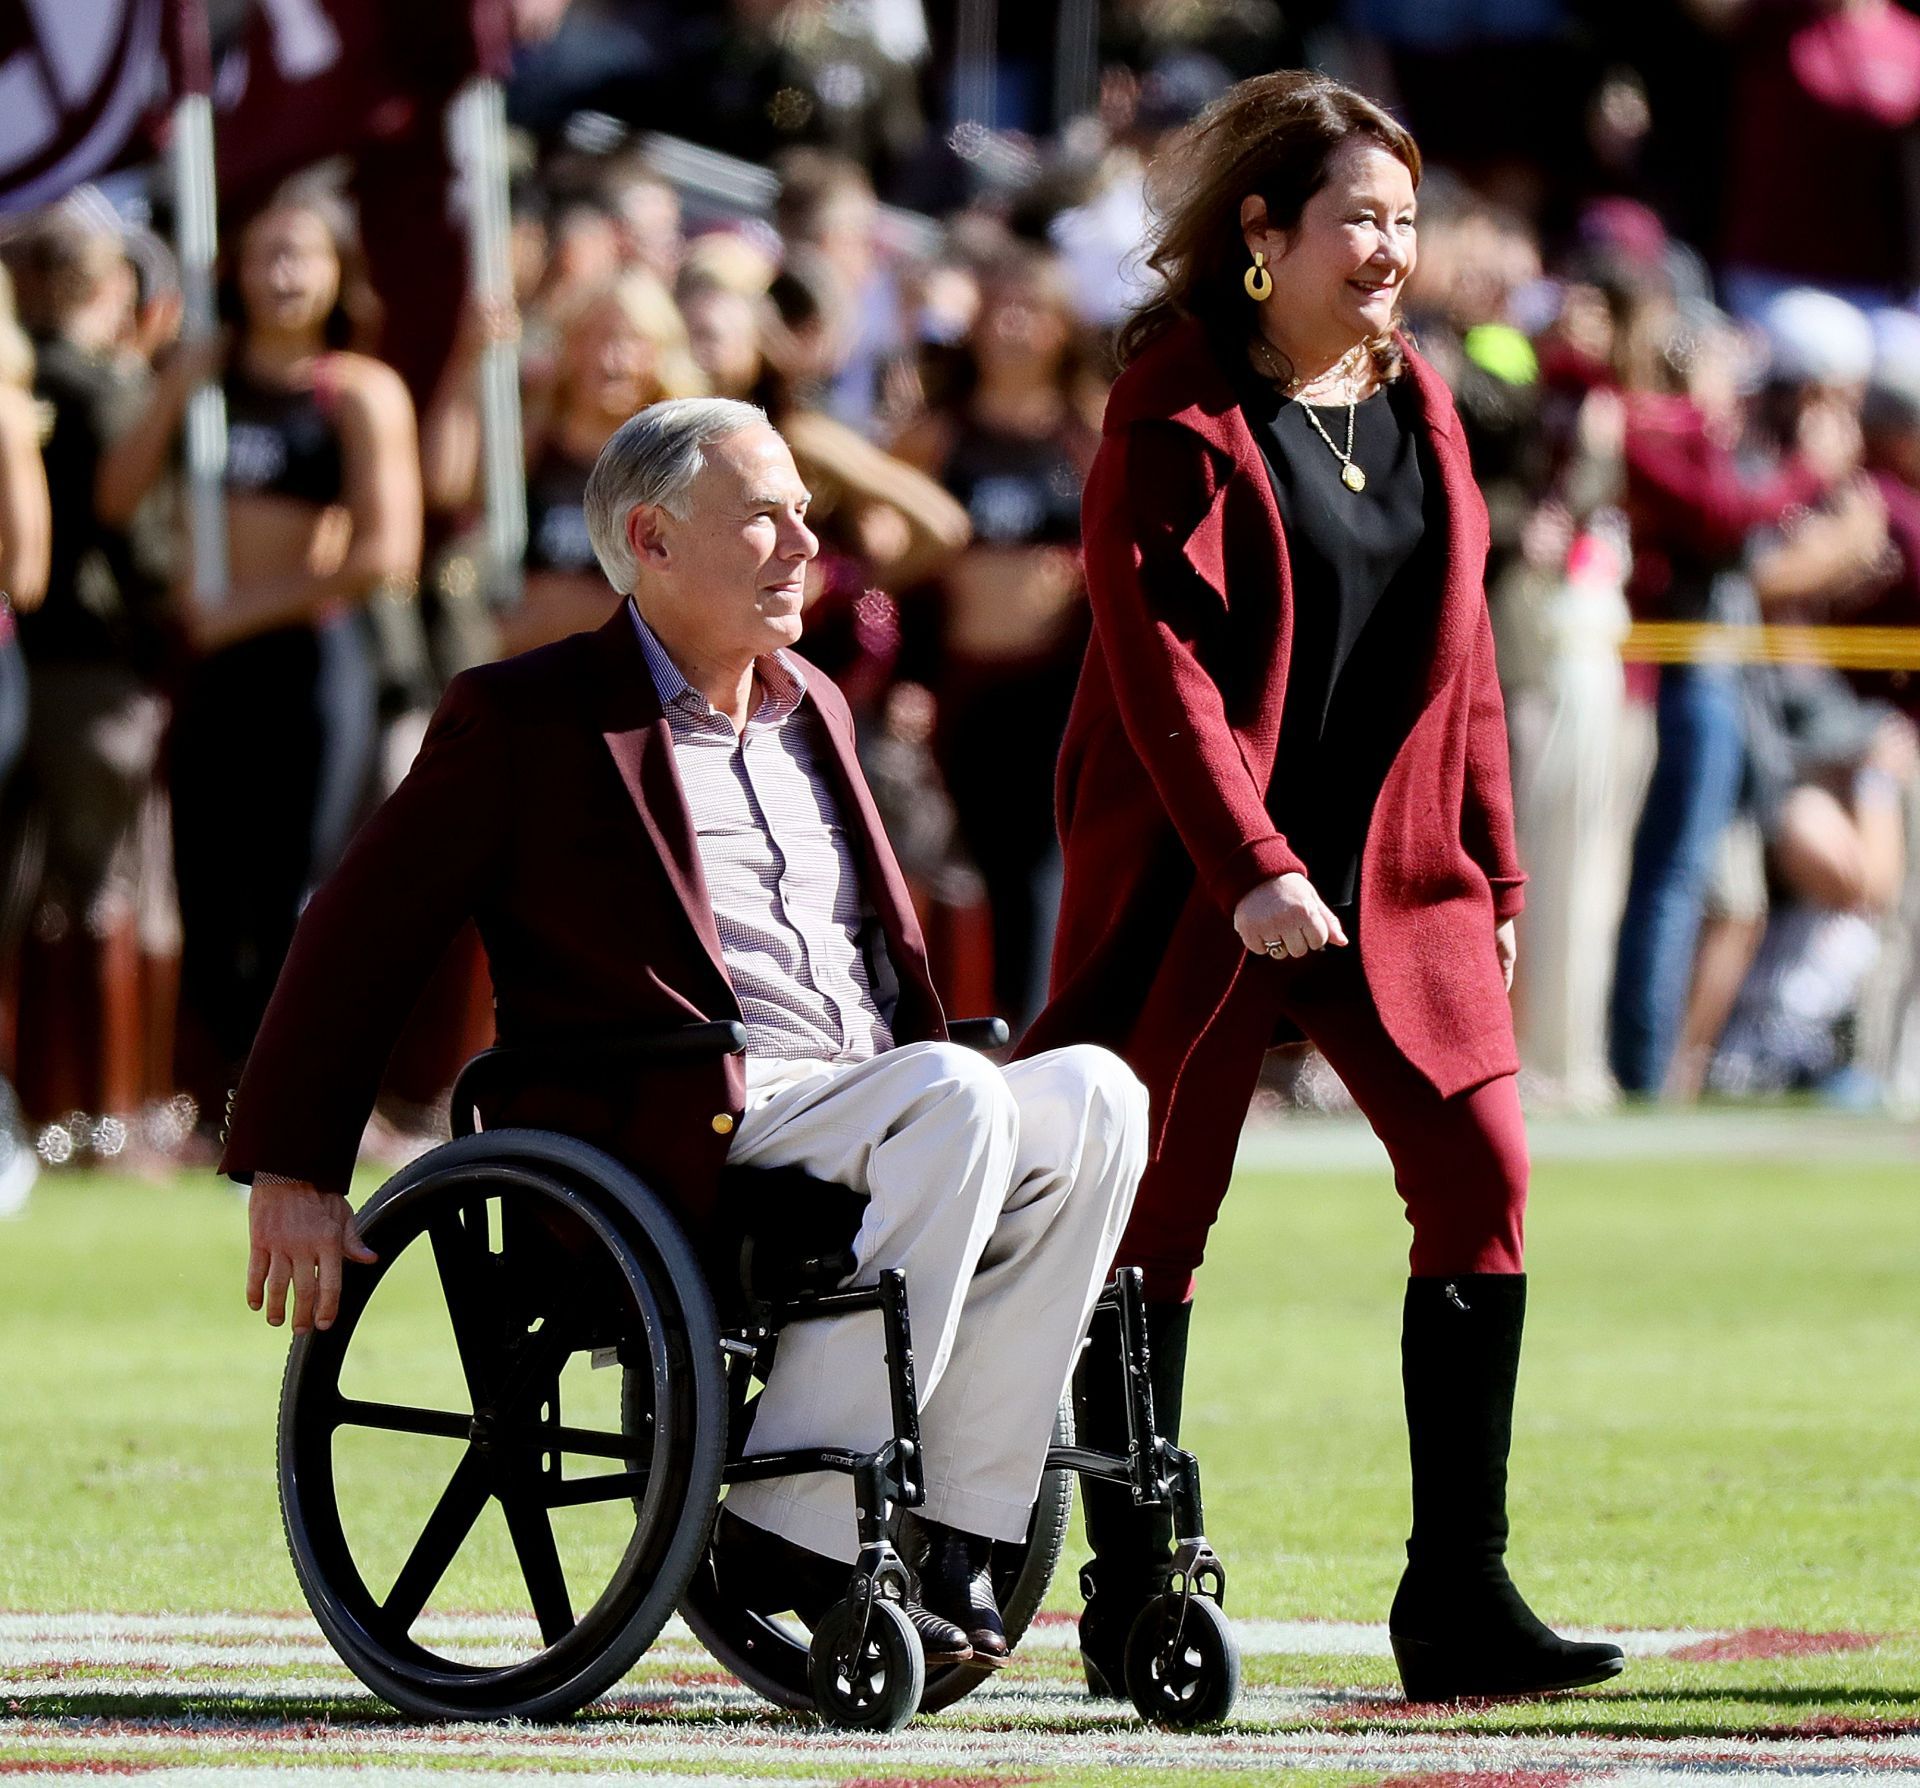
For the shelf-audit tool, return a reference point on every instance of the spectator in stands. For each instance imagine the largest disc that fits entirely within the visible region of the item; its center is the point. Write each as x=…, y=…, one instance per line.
x=827, y=214
x=1693, y=509
x=1828, y=771
x=1013, y=445
x=1443, y=61
x=94, y=657
x=1801, y=721
x=1820, y=179
x=618, y=348
x=646, y=215
x=1890, y=428
x=1478, y=262
x=755, y=77
x=274, y=726
x=1838, y=856
x=1102, y=235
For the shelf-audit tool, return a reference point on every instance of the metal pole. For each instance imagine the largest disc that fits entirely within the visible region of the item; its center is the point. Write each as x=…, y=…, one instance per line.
x=480, y=132
x=976, y=32
x=1076, y=60
x=195, y=229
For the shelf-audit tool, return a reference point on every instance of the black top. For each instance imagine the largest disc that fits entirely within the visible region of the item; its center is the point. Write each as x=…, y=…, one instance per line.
x=557, y=537
x=1365, y=595
x=1018, y=490
x=281, y=443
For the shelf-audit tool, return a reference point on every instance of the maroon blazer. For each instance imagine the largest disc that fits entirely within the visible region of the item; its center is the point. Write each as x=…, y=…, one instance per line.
x=546, y=807
x=1170, y=750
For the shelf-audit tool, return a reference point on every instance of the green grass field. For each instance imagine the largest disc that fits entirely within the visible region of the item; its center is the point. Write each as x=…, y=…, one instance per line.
x=1719, y=1428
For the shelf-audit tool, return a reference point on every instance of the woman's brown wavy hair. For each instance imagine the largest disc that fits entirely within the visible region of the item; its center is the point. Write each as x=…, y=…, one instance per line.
x=1273, y=135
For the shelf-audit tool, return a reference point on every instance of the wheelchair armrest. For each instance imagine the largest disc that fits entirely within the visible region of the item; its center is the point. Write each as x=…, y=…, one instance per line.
x=979, y=1033
x=507, y=1065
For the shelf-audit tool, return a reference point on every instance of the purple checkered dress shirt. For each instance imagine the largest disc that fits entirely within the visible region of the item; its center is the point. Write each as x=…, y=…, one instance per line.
x=794, y=930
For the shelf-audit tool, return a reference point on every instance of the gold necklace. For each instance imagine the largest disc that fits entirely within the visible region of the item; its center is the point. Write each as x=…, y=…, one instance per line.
x=1291, y=387
x=1351, y=475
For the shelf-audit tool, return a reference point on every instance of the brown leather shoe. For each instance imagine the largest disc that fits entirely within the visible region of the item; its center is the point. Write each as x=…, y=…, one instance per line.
x=941, y=1640
x=956, y=1582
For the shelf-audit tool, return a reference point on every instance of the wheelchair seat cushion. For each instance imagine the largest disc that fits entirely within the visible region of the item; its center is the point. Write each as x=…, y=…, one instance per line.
x=792, y=1234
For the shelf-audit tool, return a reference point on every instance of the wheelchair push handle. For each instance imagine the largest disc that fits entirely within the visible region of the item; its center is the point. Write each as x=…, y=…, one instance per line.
x=508, y=1065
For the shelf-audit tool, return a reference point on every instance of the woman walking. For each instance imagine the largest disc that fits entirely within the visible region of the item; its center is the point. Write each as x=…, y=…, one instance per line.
x=1285, y=809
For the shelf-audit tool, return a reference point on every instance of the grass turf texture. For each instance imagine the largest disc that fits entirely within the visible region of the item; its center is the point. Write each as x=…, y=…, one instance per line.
x=1719, y=1427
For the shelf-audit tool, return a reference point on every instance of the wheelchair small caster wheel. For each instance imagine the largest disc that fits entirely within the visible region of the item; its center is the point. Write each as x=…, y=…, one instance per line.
x=871, y=1683
x=1183, y=1662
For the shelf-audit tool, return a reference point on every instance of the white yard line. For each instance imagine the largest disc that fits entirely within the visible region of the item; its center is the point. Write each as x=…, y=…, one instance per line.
x=263, y=1641
x=707, y=1734
x=1119, y=1744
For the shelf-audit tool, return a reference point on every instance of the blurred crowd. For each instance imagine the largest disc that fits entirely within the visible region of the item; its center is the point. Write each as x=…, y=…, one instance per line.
x=1667, y=260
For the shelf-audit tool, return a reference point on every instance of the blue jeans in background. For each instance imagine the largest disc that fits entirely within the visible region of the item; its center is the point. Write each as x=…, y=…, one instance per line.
x=13, y=703
x=1701, y=734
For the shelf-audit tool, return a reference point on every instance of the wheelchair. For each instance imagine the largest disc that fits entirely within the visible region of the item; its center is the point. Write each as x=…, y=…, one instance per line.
x=549, y=1259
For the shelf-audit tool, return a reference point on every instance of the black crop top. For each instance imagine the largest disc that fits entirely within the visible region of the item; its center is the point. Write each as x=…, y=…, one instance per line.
x=1018, y=491
x=1365, y=595
x=282, y=443
x=557, y=538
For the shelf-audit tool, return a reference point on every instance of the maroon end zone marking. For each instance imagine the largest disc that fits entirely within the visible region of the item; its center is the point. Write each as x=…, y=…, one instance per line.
x=1387, y=1707
x=1485, y=1778
x=937, y=1781
x=1851, y=1726
x=1770, y=1642
x=76, y=1766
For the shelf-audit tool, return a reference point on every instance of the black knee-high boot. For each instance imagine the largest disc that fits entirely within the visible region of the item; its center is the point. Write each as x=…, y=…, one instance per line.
x=1132, y=1546
x=1459, y=1626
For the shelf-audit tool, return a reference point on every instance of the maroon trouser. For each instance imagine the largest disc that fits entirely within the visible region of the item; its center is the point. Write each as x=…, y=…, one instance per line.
x=1460, y=1163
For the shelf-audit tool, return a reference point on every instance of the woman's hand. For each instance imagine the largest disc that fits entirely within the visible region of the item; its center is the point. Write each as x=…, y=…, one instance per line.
x=1507, y=948
x=1288, y=913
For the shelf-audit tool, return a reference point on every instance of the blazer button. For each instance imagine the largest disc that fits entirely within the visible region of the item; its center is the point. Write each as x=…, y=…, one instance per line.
x=722, y=1124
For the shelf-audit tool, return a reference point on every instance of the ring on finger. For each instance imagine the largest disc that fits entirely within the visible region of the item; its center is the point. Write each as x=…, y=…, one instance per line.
x=1275, y=948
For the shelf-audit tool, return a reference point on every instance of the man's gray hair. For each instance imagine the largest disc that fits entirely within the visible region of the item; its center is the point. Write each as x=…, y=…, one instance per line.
x=654, y=457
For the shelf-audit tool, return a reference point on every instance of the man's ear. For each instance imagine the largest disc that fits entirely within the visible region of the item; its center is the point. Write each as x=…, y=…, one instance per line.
x=644, y=538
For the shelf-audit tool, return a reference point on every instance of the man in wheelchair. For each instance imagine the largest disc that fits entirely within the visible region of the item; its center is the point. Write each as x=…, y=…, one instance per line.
x=664, y=822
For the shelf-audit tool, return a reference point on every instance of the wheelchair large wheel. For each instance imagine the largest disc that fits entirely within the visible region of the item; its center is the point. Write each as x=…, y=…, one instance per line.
x=769, y=1653
x=546, y=1253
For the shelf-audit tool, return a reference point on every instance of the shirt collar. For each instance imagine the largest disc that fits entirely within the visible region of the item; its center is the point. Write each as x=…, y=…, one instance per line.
x=782, y=682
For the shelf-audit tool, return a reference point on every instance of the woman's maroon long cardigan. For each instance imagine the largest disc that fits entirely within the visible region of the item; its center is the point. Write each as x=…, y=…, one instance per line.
x=1170, y=753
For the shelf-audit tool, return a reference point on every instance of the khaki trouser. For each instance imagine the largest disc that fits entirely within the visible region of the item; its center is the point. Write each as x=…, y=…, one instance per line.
x=1002, y=1194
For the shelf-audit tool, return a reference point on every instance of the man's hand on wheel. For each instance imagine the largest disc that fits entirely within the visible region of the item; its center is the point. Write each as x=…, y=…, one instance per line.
x=300, y=1236
x=1286, y=917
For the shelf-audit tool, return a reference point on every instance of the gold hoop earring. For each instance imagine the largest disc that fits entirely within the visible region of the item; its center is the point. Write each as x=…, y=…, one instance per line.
x=1257, y=280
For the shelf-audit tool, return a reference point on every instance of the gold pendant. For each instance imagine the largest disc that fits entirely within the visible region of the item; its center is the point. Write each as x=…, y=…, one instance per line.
x=1352, y=477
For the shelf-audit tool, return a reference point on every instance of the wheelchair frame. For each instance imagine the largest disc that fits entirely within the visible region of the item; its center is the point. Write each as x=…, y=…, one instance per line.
x=862, y=1667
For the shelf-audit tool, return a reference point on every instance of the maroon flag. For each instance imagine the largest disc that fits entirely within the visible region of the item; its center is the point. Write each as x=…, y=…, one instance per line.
x=309, y=80
x=77, y=78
